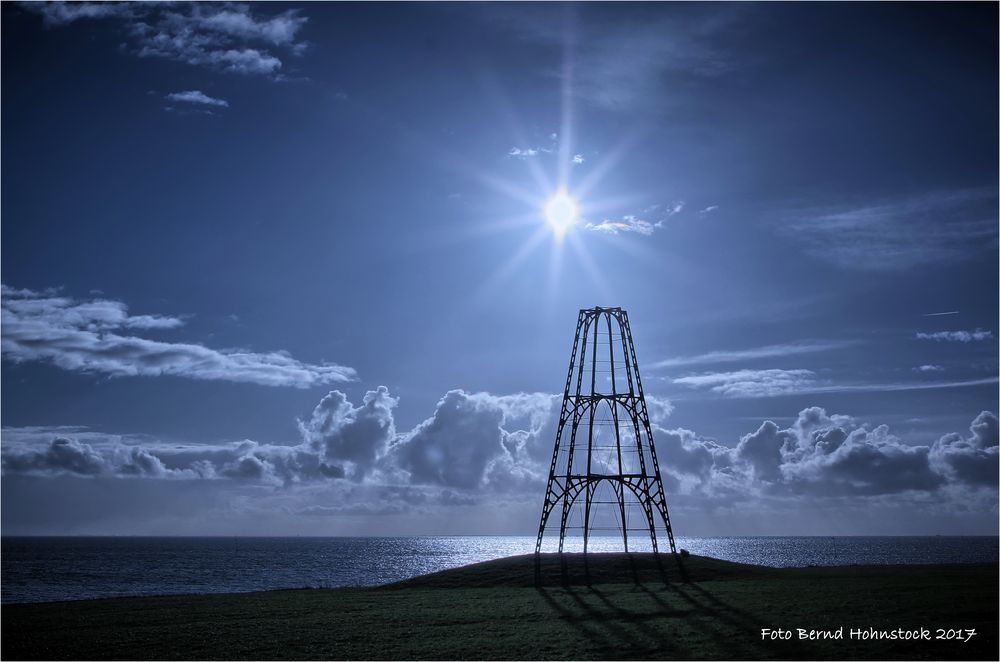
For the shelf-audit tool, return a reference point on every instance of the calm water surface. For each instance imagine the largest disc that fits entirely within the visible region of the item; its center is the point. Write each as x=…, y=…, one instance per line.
x=44, y=569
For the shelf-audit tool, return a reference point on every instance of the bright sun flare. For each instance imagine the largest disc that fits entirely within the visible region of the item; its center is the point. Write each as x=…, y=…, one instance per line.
x=560, y=212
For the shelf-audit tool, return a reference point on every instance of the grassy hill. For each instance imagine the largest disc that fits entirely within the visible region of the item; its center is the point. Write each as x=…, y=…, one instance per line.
x=606, y=606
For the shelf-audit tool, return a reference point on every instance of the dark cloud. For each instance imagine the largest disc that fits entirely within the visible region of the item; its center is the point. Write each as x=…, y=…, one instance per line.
x=828, y=455
x=762, y=450
x=351, y=437
x=690, y=463
x=140, y=462
x=61, y=456
x=971, y=460
x=860, y=462
x=111, y=457
x=454, y=446
x=93, y=336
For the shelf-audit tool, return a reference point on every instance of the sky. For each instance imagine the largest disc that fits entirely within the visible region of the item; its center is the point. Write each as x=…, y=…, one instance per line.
x=272, y=269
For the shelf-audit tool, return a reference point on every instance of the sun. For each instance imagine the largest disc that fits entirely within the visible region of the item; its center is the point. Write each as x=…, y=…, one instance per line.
x=560, y=212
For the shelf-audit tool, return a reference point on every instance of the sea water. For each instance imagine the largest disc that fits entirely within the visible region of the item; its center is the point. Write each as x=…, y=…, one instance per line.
x=46, y=569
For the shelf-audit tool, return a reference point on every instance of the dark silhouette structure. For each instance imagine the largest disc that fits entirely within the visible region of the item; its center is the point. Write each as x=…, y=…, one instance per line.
x=604, y=444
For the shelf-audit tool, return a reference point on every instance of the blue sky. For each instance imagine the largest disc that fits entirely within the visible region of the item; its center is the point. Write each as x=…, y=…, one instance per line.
x=227, y=227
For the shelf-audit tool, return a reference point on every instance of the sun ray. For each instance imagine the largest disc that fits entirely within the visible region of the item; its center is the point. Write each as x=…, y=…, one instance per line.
x=581, y=252
x=566, y=135
x=506, y=111
x=512, y=263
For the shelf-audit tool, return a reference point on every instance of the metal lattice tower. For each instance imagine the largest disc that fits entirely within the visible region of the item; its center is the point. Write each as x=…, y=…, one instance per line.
x=604, y=444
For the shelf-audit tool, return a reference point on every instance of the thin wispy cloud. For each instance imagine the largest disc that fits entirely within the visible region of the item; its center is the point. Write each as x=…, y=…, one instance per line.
x=752, y=383
x=526, y=152
x=99, y=336
x=196, y=97
x=929, y=367
x=654, y=218
x=778, y=382
x=900, y=386
x=948, y=312
x=627, y=223
x=549, y=146
x=226, y=37
x=627, y=58
x=752, y=353
x=957, y=336
x=944, y=226
x=709, y=209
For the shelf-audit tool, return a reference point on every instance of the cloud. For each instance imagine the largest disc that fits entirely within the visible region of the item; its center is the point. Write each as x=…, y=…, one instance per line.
x=455, y=446
x=55, y=14
x=62, y=455
x=351, y=460
x=774, y=382
x=351, y=438
x=957, y=336
x=93, y=336
x=929, y=368
x=472, y=441
x=230, y=37
x=547, y=148
x=693, y=464
x=972, y=459
x=823, y=455
x=524, y=153
x=752, y=383
x=627, y=223
x=659, y=409
x=237, y=20
x=899, y=386
x=834, y=455
x=709, y=209
x=480, y=439
x=767, y=351
x=905, y=232
x=632, y=223
x=197, y=97
x=947, y=312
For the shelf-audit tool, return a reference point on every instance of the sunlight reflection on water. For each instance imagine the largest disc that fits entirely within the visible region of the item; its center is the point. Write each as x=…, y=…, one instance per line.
x=43, y=569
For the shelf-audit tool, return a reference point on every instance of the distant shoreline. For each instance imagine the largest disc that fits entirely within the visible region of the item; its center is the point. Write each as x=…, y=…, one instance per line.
x=483, y=535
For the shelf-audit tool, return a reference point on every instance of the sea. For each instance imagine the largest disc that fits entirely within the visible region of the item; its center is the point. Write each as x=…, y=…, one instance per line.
x=43, y=569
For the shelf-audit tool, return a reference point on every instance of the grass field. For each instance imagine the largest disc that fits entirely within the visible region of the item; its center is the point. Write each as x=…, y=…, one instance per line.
x=611, y=606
